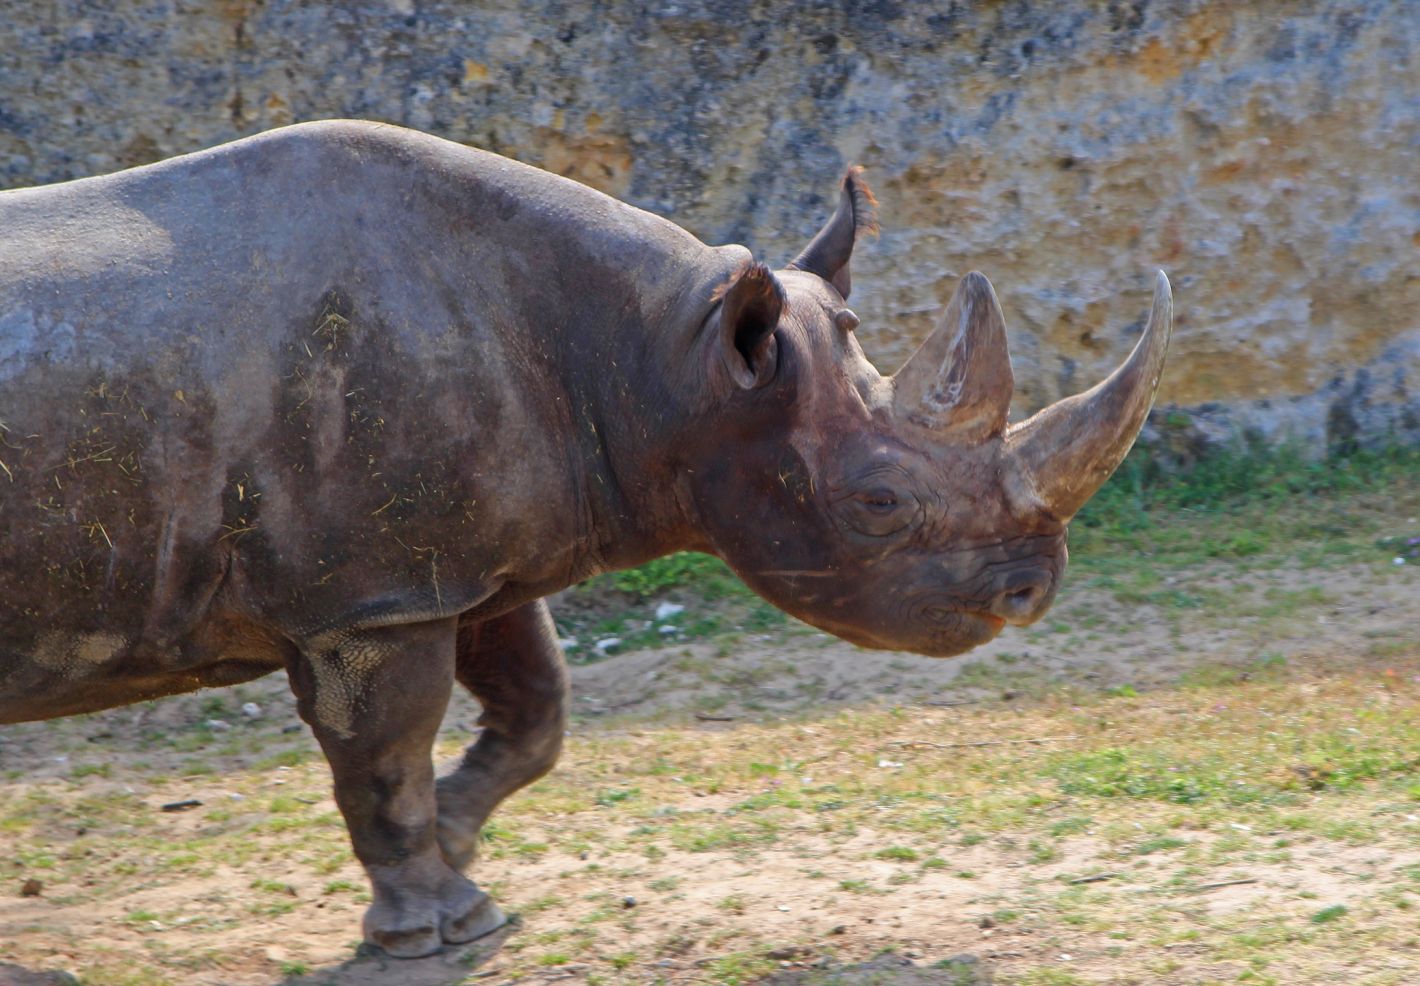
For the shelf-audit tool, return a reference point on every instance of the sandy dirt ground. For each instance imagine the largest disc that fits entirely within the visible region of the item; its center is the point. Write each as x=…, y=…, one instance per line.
x=258, y=908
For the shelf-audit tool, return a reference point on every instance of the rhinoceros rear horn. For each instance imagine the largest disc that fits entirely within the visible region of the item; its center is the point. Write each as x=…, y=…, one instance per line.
x=959, y=382
x=1071, y=447
x=828, y=253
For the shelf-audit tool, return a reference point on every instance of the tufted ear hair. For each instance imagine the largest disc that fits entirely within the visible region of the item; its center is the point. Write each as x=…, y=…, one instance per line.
x=749, y=312
x=828, y=253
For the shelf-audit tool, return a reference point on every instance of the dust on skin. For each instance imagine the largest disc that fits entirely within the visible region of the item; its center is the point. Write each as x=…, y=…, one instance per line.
x=79, y=655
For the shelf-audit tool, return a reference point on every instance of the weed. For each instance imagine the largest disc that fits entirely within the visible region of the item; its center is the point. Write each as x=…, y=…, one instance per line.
x=1070, y=826
x=1160, y=844
x=734, y=903
x=899, y=853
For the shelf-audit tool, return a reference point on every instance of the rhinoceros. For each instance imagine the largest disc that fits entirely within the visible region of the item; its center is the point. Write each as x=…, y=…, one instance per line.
x=349, y=401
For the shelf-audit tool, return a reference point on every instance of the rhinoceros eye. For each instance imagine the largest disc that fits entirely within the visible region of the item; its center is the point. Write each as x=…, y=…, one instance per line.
x=878, y=501
x=878, y=511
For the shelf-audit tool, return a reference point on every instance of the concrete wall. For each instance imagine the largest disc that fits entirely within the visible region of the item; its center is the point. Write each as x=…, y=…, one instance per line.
x=1266, y=155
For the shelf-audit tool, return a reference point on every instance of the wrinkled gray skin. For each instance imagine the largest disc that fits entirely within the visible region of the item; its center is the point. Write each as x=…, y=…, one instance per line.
x=348, y=400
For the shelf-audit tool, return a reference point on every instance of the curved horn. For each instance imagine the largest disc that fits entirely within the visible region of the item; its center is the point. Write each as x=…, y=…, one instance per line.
x=960, y=380
x=1071, y=447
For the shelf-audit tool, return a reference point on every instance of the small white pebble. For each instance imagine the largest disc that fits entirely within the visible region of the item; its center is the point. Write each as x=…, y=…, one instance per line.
x=666, y=610
x=218, y=725
x=567, y=643
x=1398, y=561
x=251, y=710
x=888, y=763
x=606, y=644
x=783, y=907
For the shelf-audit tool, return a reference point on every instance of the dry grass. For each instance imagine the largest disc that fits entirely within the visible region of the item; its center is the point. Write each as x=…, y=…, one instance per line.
x=1258, y=831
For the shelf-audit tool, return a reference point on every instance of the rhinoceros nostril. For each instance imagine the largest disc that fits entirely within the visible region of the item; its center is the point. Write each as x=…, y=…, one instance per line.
x=1022, y=597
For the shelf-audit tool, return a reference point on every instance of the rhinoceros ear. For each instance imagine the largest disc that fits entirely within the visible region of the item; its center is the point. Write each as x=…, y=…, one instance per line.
x=828, y=253
x=750, y=310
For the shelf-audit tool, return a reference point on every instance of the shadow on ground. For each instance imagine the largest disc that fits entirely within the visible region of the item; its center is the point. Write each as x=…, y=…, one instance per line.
x=374, y=968
x=14, y=975
x=891, y=970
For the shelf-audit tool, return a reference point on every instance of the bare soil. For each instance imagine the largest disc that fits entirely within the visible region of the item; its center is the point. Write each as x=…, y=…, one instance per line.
x=254, y=902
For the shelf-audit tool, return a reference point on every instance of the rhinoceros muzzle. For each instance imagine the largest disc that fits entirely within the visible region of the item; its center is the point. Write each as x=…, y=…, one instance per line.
x=959, y=385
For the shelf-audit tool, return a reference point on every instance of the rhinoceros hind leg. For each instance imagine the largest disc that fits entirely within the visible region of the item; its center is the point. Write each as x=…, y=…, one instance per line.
x=375, y=699
x=513, y=665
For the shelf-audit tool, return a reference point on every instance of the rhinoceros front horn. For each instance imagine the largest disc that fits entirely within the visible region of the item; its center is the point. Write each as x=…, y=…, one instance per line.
x=959, y=381
x=1071, y=447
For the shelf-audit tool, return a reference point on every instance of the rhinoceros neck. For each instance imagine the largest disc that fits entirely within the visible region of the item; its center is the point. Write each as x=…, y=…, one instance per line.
x=591, y=311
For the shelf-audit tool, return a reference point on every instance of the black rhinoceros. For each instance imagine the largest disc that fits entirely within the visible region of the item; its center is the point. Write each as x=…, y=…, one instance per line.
x=348, y=401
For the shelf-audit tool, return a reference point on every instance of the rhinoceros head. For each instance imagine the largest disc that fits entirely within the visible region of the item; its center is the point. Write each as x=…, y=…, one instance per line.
x=898, y=512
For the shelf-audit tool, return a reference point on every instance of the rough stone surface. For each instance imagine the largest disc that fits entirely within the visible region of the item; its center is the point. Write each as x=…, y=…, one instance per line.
x=1265, y=155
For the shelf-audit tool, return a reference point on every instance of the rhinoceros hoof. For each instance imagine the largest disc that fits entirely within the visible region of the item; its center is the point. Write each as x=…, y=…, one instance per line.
x=402, y=935
x=459, y=913
x=483, y=918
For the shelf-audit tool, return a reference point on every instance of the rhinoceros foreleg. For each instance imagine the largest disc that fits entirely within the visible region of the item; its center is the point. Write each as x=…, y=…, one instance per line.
x=374, y=699
x=513, y=665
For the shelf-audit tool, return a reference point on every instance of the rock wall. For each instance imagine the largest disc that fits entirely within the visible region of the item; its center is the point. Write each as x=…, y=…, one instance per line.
x=1266, y=155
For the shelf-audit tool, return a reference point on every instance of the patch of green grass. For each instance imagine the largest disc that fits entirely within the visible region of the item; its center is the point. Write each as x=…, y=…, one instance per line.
x=1161, y=844
x=735, y=904
x=705, y=575
x=616, y=796
x=1116, y=772
x=1328, y=914
x=286, y=758
x=1334, y=758
x=739, y=969
x=1042, y=851
x=710, y=838
x=1051, y=976
x=899, y=853
x=1070, y=826
x=1234, y=503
